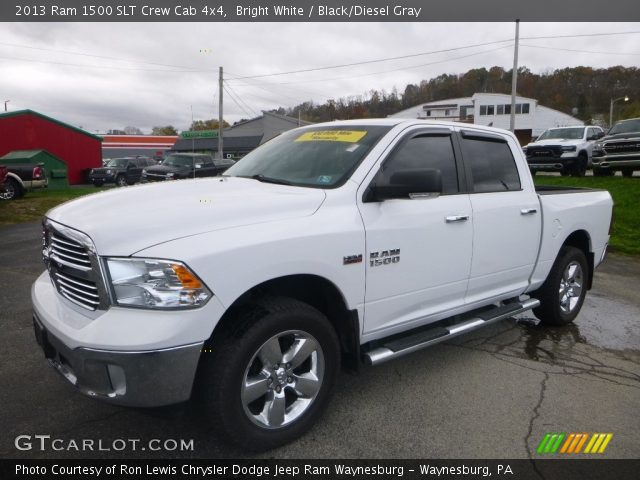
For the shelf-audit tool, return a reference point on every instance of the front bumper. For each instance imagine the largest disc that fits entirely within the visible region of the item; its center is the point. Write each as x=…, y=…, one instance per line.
x=131, y=357
x=551, y=164
x=138, y=379
x=614, y=162
x=102, y=178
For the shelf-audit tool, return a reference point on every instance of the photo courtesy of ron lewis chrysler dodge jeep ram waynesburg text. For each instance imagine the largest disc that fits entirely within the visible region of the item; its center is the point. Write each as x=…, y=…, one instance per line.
x=332, y=245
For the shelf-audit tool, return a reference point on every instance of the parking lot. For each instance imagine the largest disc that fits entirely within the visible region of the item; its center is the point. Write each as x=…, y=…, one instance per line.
x=492, y=394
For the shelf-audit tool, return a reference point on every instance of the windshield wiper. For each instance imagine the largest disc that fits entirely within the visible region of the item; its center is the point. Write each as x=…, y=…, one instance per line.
x=262, y=178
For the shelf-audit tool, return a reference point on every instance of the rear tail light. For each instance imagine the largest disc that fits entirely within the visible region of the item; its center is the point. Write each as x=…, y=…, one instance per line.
x=37, y=173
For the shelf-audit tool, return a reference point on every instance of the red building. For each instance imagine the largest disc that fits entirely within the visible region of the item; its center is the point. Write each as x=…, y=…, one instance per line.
x=29, y=130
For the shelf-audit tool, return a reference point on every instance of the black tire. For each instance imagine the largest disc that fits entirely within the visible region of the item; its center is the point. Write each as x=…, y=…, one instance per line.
x=602, y=172
x=97, y=183
x=580, y=168
x=627, y=172
x=565, y=172
x=559, y=303
x=121, y=181
x=237, y=354
x=11, y=190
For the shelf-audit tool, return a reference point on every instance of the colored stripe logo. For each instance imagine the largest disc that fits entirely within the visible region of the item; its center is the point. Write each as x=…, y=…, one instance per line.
x=572, y=443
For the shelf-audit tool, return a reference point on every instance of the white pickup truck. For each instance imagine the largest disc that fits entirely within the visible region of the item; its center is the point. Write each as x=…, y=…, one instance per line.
x=344, y=243
x=568, y=150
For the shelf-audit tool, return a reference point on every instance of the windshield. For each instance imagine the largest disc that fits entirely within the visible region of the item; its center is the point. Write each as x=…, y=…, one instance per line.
x=563, y=133
x=178, y=161
x=321, y=157
x=117, y=162
x=628, y=126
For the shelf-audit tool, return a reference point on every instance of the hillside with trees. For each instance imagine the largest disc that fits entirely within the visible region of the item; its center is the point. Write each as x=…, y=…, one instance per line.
x=584, y=92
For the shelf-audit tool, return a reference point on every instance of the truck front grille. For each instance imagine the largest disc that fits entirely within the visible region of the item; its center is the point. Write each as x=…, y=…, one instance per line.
x=624, y=147
x=73, y=266
x=551, y=151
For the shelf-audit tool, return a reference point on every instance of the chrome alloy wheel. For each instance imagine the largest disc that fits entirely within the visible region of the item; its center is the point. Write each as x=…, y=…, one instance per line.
x=282, y=379
x=570, y=287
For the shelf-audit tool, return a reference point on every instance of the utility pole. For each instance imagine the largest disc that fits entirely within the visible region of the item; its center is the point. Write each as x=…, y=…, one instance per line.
x=220, y=150
x=514, y=79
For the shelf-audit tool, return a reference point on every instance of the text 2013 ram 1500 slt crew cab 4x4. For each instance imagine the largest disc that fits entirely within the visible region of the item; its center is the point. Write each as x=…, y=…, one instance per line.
x=335, y=244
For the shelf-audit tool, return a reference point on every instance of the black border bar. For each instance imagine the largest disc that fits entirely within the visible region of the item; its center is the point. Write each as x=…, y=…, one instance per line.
x=319, y=11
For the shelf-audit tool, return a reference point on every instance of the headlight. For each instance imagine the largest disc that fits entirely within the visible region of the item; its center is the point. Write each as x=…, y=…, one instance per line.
x=144, y=171
x=108, y=172
x=569, y=148
x=170, y=175
x=151, y=283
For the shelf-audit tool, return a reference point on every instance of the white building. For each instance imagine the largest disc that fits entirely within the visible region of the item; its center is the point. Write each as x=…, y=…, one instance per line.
x=494, y=109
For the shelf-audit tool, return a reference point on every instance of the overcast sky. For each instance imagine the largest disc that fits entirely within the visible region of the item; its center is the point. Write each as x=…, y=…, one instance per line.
x=105, y=76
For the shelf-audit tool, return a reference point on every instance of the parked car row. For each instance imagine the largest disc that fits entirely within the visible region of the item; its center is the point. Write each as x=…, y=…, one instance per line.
x=573, y=150
x=130, y=170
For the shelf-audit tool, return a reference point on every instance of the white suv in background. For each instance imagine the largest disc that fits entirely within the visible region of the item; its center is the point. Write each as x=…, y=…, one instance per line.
x=565, y=149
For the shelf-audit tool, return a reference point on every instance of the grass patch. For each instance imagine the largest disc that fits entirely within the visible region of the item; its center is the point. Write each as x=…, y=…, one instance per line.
x=34, y=205
x=625, y=236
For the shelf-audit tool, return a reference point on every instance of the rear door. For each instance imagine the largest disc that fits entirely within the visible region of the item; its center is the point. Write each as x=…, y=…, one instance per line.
x=418, y=250
x=506, y=217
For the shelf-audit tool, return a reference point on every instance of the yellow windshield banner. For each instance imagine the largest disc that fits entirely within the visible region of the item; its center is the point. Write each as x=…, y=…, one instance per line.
x=349, y=136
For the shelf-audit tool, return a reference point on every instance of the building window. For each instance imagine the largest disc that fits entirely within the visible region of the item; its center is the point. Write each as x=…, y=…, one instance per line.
x=518, y=108
x=490, y=110
x=500, y=109
x=507, y=109
x=525, y=108
x=428, y=113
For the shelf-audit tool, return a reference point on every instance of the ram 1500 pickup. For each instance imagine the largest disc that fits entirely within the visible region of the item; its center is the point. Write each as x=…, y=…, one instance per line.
x=565, y=149
x=20, y=178
x=344, y=243
x=619, y=150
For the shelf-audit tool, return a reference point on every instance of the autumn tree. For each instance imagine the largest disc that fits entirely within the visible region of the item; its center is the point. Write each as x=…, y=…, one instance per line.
x=166, y=130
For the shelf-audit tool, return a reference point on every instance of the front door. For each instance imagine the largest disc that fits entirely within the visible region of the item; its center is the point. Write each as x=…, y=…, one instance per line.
x=418, y=250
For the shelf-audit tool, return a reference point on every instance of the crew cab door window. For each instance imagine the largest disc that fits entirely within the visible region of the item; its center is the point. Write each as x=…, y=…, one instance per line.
x=416, y=262
x=506, y=218
x=426, y=151
x=493, y=168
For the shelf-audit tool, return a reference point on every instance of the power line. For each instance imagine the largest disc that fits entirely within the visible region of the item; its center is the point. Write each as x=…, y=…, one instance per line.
x=365, y=62
x=232, y=97
x=251, y=110
x=578, y=51
x=395, y=69
x=602, y=34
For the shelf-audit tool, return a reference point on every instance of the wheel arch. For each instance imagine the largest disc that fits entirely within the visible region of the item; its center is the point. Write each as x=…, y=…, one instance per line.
x=16, y=178
x=581, y=240
x=314, y=290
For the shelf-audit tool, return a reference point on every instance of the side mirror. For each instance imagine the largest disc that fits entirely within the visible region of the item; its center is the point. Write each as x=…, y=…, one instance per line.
x=599, y=135
x=592, y=137
x=406, y=184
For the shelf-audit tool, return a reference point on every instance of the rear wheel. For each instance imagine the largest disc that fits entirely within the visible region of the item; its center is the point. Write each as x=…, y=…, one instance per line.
x=602, y=172
x=11, y=190
x=268, y=379
x=627, y=172
x=562, y=294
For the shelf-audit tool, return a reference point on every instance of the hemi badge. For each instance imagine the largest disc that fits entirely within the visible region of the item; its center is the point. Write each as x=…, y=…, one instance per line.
x=352, y=259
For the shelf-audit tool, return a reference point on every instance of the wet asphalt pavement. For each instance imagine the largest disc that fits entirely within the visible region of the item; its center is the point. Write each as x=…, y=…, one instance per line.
x=491, y=394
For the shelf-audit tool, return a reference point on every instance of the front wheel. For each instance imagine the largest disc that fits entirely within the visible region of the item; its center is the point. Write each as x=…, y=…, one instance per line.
x=267, y=381
x=121, y=181
x=627, y=172
x=580, y=167
x=562, y=294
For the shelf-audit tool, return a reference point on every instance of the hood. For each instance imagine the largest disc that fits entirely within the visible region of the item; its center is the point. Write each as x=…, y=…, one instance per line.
x=620, y=136
x=555, y=141
x=104, y=169
x=126, y=220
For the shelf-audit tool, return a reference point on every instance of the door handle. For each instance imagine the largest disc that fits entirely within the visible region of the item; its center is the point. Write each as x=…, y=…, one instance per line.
x=456, y=218
x=528, y=211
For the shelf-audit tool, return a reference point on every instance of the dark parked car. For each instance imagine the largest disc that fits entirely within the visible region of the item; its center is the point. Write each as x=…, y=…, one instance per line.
x=121, y=171
x=186, y=165
x=21, y=177
x=619, y=150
